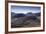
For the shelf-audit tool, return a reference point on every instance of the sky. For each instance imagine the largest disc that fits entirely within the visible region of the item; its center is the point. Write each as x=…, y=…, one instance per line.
x=25, y=9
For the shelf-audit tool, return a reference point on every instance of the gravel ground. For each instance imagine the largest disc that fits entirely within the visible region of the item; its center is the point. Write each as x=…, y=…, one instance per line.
x=25, y=22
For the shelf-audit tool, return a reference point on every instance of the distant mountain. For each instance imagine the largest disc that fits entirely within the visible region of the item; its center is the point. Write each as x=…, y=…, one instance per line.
x=12, y=14
x=15, y=15
x=19, y=15
x=28, y=14
x=37, y=14
x=33, y=14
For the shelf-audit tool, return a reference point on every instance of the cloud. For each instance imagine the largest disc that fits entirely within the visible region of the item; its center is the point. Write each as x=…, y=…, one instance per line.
x=25, y=9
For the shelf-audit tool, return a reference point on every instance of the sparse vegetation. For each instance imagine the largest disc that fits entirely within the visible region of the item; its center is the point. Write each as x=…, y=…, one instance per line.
x=22, y=20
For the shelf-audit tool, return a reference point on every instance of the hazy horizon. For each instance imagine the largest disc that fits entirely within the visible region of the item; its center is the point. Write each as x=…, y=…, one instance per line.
x=25, y=9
